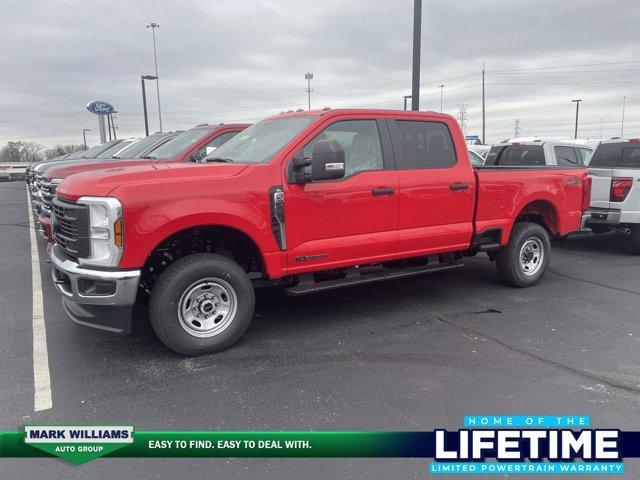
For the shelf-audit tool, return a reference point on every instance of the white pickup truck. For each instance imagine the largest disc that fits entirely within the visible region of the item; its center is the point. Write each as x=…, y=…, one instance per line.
x=528, y=152
x=615, y=193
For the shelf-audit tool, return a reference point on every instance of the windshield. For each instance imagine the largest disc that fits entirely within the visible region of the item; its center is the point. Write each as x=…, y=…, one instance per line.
x=133, y=150
x=93, y=152
x=77, y=154
x=110, y=152
x=179, y=144
x=261, y=141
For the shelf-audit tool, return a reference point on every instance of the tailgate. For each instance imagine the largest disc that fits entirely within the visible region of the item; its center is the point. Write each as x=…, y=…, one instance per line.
x=600, y=186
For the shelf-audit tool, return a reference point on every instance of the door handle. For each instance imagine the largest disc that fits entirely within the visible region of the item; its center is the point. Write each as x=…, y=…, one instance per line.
x=458, y=186
x=382, y=191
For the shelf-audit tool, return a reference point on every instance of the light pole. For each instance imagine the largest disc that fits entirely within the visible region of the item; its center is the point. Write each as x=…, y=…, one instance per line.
x=441, y=88
x=308, y=76
x=624, y=101
x=153, y=27
x=577, y=107
x=405, y=97
x=417, y=37
x=84, y=136
x=144, y=101
x=601, y=121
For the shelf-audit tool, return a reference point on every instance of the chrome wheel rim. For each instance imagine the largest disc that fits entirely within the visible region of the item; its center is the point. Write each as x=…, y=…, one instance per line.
x=531, y=256
x=207, y=307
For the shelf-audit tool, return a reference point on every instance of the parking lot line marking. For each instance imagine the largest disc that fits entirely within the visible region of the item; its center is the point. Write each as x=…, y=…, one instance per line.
x=41, y=377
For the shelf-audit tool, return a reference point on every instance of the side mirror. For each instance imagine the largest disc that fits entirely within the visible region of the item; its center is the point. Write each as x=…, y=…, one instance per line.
x=327, y=160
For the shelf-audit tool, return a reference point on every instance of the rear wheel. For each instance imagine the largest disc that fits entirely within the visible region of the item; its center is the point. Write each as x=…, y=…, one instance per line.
x=201, y=304
x=523, y=261
x=635, y=239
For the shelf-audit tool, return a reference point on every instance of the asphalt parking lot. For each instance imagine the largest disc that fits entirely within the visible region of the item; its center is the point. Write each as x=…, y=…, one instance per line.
x=412, y=354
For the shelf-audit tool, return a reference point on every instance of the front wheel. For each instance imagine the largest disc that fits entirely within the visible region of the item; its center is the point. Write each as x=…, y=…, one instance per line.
x=523, y=261
x=201, y=304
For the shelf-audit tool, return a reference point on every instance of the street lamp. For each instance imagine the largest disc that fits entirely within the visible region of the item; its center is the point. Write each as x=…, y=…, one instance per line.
x=153, y=27
x=144, y=101
x=577, y=101
x=84, y=136
x=406, y=97
x=441, y=88
x=309, y=76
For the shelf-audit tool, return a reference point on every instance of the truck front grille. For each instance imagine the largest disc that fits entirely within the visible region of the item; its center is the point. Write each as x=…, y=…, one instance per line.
x=70, y=227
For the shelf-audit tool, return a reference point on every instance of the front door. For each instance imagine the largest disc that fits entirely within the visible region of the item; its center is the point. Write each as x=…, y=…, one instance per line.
x=337, y=223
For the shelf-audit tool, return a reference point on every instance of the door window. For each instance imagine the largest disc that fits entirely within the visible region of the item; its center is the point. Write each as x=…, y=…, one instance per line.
x=425, y=145
x=584, y=156
x=360, y=141
x=565, y=156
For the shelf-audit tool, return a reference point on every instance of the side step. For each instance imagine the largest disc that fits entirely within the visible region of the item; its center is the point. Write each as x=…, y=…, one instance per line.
x=368, y=278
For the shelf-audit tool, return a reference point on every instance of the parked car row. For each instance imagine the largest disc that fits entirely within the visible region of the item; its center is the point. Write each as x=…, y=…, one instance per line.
x=301, y=201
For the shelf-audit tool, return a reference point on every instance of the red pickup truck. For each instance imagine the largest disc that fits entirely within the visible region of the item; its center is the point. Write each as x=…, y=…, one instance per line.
x=306, y=201
x=189, y=146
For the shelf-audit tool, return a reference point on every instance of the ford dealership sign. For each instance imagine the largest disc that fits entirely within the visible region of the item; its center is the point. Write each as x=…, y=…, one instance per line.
x=100, y=108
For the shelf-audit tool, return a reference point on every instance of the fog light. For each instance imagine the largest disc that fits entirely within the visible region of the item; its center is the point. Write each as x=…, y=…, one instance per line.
x=96, y=287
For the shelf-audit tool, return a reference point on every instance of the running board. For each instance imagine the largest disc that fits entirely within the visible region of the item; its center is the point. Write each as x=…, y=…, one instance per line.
x=368, y=278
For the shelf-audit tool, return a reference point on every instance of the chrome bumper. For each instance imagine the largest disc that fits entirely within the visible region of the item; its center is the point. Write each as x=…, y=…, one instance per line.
x=586, y=216
x=67, y=275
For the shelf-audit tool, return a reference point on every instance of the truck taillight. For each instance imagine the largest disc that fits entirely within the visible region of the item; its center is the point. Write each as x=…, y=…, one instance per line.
x=620, y=187
x=586, y=193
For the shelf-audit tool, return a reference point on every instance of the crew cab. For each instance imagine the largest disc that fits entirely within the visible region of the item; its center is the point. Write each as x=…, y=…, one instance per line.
x=303, y=201
x=615, y=201
x=189, y=145
x=538, y=152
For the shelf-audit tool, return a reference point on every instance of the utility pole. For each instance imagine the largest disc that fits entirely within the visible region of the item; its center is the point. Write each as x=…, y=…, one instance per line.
x=309, y=76
x=516, y=128
x=405, y=97
x=84, y=136
x=441, y=88
x=153, y=27
x=462, y=117
x=417, y=36
x=624, y=101
x=484, y=138
x=577, y=101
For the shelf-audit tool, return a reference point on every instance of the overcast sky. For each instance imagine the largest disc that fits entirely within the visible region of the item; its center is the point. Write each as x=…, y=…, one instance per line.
x=225, y=61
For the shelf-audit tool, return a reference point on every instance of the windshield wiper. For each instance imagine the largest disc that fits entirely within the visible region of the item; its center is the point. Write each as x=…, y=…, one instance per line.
x=150, y=157
x=218, y=159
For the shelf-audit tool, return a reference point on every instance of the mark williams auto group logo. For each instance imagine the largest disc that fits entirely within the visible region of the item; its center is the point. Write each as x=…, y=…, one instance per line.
x=78, y=444
x=527, y=445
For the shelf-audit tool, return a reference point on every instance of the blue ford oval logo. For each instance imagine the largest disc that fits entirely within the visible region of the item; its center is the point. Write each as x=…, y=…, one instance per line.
x=100, y=108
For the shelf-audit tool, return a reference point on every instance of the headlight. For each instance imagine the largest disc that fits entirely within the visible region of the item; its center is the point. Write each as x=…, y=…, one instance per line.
x=105, y=231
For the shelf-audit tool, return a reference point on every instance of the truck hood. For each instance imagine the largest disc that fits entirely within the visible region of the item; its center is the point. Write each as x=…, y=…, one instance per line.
x=63, y=171
x=101, y=183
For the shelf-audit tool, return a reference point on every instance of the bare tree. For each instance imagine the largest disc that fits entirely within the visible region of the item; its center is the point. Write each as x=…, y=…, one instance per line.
x=21, y=152
x=59, y=150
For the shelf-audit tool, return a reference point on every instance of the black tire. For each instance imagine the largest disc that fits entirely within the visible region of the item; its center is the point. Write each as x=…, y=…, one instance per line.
x=508, y=261
x=635, y=239
x=174, y=282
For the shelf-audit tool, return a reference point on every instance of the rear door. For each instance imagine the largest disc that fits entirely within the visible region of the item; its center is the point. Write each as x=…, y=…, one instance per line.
x=437, y=188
